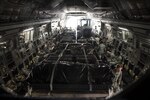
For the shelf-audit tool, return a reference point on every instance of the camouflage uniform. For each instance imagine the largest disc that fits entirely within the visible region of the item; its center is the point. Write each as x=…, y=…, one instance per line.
x=117, y=78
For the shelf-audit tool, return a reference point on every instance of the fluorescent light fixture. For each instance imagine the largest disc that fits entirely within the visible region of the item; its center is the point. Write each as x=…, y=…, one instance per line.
x=123, y=28
x=102, y=8
x=2, y=42
x=28, y=29
x=108, y=25
x=76, y=14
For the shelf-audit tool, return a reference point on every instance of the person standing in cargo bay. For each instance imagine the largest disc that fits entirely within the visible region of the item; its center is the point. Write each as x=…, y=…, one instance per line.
x=117, y=72
x=102, y=49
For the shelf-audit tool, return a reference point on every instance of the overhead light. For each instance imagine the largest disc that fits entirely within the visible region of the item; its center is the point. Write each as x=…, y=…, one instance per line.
x=76, y=13
x=108, y=25
x=2, y=42
x=28, y=29
x=123, y=28
x=0, y=36
x=102, y=8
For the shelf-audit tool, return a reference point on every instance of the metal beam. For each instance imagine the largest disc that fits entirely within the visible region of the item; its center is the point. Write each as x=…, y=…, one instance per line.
x=127, y=23
x=9, y=26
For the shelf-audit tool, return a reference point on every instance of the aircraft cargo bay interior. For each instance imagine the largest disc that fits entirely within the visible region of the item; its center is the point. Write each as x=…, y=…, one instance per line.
x=74, y=49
